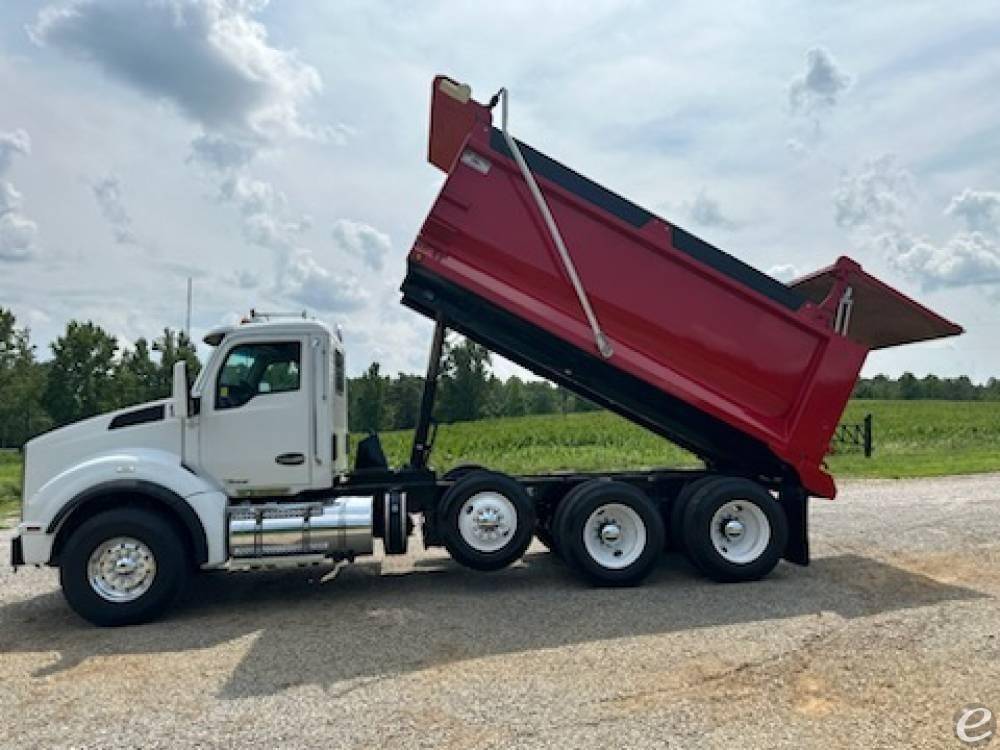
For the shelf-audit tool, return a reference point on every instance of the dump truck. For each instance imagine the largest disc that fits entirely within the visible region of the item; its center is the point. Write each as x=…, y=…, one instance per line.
x=250, y=465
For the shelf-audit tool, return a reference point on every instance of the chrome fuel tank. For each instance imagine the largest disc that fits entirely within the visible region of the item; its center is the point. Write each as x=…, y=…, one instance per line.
x=338, y=528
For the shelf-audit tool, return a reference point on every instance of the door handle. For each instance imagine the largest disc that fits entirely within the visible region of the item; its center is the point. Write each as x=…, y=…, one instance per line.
x=290, y=459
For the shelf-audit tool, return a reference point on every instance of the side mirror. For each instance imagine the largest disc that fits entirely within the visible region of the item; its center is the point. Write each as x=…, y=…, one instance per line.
x=179, y=393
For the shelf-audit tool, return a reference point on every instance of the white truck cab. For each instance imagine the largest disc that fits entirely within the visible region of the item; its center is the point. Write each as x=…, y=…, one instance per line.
x=283, y=383
x=266, y=420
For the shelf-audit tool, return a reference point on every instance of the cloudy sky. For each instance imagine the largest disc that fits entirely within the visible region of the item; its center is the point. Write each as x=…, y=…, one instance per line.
x=275, y=151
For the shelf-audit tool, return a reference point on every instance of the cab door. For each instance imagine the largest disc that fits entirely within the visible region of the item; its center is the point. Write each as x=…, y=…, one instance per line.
x=255, y=419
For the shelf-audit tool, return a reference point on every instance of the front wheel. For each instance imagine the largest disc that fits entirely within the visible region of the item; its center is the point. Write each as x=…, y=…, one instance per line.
x=123, y=567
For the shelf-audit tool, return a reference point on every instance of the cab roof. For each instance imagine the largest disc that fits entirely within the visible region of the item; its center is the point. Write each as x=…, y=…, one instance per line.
x=281, y=326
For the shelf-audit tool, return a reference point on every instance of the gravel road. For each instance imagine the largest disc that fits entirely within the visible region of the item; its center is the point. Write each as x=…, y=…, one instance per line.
x=891, y=629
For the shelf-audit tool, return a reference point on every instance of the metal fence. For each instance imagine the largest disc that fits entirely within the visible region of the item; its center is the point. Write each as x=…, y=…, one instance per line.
x=853, y=436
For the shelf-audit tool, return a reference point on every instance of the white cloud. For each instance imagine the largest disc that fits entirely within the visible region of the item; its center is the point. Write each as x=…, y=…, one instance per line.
x=211, y=59
x=360, y=240
x=877, y=194
x=263, y=208
x=108, y=193
x=252, y=196
x=967, y=259
x=784, y=272
x=12, y=143
x=304, y=280
x=299, y=276
x=224, y=152
x=979, y=208
x=244, y=279
x=17, y=237
x=705, y=210
x=10, y=198
x=796, y=147
x=820, y=87
x=17, y=231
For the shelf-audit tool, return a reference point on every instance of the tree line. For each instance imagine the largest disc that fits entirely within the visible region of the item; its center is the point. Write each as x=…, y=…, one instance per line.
x=467, y=390
x=91, y=372
x=908, y=387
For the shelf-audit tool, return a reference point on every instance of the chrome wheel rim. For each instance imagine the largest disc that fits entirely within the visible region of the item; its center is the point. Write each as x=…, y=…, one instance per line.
x=487, y=521
x=121, y=569
x=614, y=536
x=740, y=531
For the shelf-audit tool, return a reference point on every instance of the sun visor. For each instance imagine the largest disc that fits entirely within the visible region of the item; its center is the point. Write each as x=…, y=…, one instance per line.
x=879, y=316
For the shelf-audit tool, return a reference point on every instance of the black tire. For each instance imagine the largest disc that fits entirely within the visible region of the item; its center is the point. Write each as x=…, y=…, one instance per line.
x=161, y=539
x=575, y=524
x=460, y=471
x=455, y=502
x=544, y=535
x=557, y=526
x=698, y=525
x=675, y=528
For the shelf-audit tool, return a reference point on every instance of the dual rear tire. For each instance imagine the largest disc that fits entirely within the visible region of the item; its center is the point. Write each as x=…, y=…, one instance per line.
x=731, y=528
x=610, y=532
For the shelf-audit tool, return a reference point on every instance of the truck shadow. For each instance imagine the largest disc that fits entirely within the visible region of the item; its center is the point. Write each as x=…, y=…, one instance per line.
x=366, y=624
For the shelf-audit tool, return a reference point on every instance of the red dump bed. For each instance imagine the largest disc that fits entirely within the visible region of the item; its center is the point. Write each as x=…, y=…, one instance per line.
x=741, y=369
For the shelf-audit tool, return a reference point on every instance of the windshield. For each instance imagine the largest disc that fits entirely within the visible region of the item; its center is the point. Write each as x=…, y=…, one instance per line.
x=199, y=382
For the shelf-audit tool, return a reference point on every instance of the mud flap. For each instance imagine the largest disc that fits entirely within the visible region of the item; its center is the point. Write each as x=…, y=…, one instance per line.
x=796, y=505
x=16, y=552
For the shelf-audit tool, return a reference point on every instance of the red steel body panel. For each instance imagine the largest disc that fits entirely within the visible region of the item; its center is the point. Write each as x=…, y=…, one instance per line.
x=777, y=374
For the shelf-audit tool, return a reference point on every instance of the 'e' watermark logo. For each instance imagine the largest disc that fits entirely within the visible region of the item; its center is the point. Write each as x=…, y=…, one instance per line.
x=975, y=724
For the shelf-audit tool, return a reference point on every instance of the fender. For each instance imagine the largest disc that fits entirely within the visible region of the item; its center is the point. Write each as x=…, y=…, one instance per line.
x=184, y=511
x=155, y=474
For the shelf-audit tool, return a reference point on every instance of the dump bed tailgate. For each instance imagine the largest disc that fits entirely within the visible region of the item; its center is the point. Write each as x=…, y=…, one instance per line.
x=880, y=315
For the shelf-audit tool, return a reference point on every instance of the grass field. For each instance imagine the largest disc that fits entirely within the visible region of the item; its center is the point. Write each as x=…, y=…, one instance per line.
x=912, y=439
x=10, y=485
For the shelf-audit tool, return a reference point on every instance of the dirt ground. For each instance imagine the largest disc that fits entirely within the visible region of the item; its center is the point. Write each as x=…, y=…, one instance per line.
x=878, y=643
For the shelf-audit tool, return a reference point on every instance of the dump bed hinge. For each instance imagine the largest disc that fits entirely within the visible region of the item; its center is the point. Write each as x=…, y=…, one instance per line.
x=842, y=322
x=601, y=341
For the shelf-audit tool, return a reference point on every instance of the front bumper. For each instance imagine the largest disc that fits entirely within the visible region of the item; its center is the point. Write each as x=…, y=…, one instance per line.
x=16, y=552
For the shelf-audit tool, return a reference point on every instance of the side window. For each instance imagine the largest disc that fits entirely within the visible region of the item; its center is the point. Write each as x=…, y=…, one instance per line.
x=338, y=371
x=252, y=370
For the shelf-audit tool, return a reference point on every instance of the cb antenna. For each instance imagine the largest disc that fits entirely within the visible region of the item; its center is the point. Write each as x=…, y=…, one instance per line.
x=187, y=317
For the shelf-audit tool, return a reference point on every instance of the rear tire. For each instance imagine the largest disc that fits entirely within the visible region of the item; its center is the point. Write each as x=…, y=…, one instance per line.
x=123, y=567
x=677, y=507
x=557, y=526
x=460, y=471
x=610, y=532
x=487, y=520
x=735, y=530
x=544, y=535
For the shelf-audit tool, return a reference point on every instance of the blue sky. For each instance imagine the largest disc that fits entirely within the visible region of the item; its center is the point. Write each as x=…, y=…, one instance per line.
x=275, y=151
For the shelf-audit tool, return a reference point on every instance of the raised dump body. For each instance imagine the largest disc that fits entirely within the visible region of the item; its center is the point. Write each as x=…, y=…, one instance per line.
x=748, y=373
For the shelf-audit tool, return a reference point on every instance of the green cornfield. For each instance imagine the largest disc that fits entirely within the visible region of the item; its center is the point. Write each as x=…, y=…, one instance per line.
x=911, y=438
